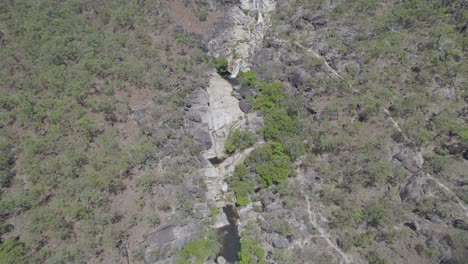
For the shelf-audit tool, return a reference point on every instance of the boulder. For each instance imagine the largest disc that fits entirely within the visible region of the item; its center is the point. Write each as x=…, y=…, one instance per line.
x=319, y=21
x=409, y=159
x=168, y=149
x=160, y=243
x=247, y=92
x=460, y=224
x=244, y=106
x=297, y=78
x=221, y=260
x=194, y=116
x=412, y=188
x=267, y=199
x=197, y=97
x=280, y=242
x=163, y=234
x=237, y=95
x=413, y=225
x=203, y=137
x=139, y=114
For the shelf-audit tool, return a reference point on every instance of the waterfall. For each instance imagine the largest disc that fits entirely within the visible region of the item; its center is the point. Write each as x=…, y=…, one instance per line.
x=260, y=18
x=236, y=70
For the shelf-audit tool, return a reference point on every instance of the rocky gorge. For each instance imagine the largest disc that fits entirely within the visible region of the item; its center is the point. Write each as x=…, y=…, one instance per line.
x=303, y=222
x=212, y=113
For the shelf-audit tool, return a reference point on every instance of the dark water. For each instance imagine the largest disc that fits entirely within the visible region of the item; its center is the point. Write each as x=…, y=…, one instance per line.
x=229, y=236
x=233, y=82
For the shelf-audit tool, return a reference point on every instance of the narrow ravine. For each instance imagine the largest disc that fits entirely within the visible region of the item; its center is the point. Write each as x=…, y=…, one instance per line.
x=222, y=114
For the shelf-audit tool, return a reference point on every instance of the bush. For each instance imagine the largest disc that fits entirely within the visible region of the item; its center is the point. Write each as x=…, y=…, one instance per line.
x=248, y=78
x=374, y=258
x=271, y=163
x=12, y=251
x=382, y=213
x=198, y=251
x=239, y=140
x=242, y=190
x=251, y=252
x=221, y=65
x=6, y=163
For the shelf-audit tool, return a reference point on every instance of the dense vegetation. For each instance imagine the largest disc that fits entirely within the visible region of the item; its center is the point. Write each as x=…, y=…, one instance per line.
x=403, y=60
x=199, y=250
x=68, y=72
x=339, y=79
x=239, y=140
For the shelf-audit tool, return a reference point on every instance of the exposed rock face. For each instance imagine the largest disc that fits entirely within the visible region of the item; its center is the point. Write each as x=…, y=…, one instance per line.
x=297, y=78
x=222, y=114
x=212, y=113
x=411, y=160
x=221, y=260
x=243, y=31
x=244, y=106
x=412, y=188
x=280, y=242
x=247, y=92
x=167, y=240
x=217, y=112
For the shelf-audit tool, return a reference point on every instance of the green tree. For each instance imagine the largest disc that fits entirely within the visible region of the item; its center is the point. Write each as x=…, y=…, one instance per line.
x=221, y=65
x=12, y=251
x=251, y=252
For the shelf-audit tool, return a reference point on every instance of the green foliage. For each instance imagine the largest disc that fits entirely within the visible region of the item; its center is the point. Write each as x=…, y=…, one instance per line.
x=12, y=251
x=198, y=251
x=214, y=211
x=429, y=249
x=251, y=252
x=382, y=213
x=242, y=190
x=464, y=133
x=239, y=140
x=6, y=162
x=356, y=239
x=65, y=100
x=278, y=123
x=248, y=78
x=221, y=65
x=271, y=164
x=265, y=166
x=374, y=258
x=348, y=215
x=153, y=219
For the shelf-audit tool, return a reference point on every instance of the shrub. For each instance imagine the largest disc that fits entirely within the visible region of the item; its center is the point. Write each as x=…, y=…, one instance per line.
x=248, y=78
x=6, y=163
x=271, y=163
x=242, y=190
x=198, y=251
x=12, y=251
x=251, y=252
x=239, y=140
x=382, y=213
x=221, y=65
x=374, y=258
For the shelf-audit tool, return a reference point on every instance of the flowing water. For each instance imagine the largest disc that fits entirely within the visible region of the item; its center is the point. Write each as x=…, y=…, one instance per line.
x=229, y=235
x=223, y=115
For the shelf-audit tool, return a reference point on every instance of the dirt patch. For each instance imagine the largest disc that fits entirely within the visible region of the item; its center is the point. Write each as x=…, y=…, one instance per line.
x=185, y=16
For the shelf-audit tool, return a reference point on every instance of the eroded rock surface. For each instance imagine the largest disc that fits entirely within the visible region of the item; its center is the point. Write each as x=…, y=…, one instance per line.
x=243, y=30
